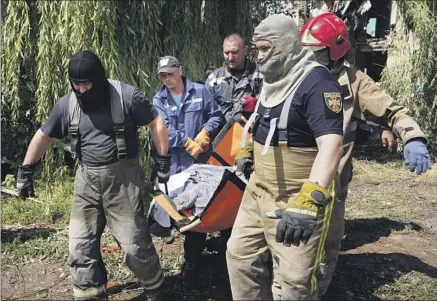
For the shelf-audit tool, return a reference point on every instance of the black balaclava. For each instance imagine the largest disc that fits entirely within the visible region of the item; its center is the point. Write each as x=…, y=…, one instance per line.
x=85, y=66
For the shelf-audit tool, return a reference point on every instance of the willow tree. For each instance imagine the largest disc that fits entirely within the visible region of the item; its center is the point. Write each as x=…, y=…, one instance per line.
x=129, y=37
x=411, y=79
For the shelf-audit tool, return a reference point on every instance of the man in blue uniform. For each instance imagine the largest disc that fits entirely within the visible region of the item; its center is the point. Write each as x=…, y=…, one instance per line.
x=286, y=208
x=101, y=117
x=193, y=118
x=190, y=113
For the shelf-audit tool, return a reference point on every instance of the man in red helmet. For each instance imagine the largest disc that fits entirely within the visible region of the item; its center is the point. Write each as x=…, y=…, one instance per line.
x=327, y=36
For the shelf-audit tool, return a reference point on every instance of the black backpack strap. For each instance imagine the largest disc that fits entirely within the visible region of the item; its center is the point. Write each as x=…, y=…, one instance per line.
x=74, y=112
x=117, y=114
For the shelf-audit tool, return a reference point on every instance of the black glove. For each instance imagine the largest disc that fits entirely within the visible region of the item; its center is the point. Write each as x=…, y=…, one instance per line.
x=161, y=167
x=25, y=180
x=245, y=166
x=294, y=228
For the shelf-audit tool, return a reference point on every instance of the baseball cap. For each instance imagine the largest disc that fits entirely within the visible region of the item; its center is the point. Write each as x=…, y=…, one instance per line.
x=168, y=64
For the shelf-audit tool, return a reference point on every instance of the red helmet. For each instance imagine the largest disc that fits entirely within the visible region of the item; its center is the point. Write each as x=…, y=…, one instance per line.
x=326, y=30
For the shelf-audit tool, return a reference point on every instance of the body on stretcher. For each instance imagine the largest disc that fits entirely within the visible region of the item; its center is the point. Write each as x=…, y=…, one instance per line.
x=203, y=198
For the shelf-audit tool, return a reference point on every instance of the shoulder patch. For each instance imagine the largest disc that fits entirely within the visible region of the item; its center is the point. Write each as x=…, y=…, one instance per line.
x=333, y=101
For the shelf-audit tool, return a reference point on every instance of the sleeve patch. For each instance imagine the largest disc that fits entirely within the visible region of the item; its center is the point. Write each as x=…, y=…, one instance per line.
x=333, y=101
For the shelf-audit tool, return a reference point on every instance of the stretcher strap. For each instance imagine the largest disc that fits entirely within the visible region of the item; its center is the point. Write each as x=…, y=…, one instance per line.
x=221, y=135
x=162, y=200
x=220, y=159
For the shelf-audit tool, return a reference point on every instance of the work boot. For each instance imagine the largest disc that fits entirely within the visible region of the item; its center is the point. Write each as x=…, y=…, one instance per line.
x=154, y=295
x=158, y=297
x=190, y=273
x=101, y=297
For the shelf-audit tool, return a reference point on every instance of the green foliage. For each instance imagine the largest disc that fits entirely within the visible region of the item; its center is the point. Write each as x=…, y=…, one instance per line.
x=56, y=205
x=16, y=46
x=129, y=36
x=412, y=78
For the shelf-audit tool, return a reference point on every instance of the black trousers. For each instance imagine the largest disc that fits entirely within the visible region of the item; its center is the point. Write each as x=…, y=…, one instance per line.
x=195, y=243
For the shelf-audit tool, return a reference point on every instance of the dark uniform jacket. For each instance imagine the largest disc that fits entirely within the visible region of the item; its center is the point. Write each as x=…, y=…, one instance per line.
x=228, y=89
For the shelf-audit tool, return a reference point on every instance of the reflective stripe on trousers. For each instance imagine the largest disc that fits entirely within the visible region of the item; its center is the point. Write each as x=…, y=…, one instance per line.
x=110, y=195
x=255, y=260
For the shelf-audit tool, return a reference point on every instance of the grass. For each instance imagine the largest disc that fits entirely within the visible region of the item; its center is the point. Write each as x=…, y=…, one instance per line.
x=55, y=210
x=390, y=190
x=384, y=199
x=412, y=286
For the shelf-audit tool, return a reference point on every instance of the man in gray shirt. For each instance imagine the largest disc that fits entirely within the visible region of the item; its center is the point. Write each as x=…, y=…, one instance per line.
x=102, y=117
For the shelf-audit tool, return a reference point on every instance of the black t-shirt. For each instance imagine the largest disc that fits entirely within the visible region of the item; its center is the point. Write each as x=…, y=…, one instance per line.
x=96, y=140
x=316, y=110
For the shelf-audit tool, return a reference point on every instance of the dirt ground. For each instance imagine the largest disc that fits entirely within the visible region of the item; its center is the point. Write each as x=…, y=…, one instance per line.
x=389, y=251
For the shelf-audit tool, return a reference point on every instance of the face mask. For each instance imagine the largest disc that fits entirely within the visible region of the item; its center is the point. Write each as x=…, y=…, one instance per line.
x=86, y=66
x=92, y=99
x=322, y=57
x=271, y=65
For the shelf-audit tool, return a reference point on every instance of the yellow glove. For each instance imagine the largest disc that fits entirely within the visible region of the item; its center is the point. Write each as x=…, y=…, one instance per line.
x=246, y=152
x=202, y=139
x=193, y=148
x=299, y=219
x=310, y=197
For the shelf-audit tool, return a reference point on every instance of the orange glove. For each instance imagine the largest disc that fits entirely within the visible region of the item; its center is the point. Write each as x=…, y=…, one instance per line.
x=203, y=139
x=193, y=148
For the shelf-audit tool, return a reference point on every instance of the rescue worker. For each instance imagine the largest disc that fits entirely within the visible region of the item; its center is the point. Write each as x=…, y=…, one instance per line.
x=236, y=87
x=192, y=118
x=327, y=36
x=190, y=113
x=238, y=81
x=101, y=118
x=285, y=211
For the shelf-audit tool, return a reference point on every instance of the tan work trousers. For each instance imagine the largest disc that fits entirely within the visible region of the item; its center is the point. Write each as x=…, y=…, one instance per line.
x=259, y=267
x=335, y=233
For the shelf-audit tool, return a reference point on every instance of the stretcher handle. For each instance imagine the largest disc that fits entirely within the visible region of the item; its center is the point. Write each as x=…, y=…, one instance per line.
x=168, y=206
x=190, y=226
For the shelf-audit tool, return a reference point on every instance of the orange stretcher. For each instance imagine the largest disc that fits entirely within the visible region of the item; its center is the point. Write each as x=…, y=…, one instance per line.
x=219, y=214
x=227, y=144
x=221, y=211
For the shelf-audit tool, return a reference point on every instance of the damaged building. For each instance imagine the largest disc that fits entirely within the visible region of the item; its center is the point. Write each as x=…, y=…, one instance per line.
x=371, y=23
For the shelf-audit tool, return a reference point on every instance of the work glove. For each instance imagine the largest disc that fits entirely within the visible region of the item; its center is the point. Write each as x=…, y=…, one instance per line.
x=161, y=167
x=416, y=156
x=299, y=218
x=203, y=139
x=25, y=180
x=193, y=148
x=244, y=161
x=248, y=103
x=245, y=166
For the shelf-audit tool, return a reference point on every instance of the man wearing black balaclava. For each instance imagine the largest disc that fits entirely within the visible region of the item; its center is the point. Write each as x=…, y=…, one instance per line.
x=108, y=186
